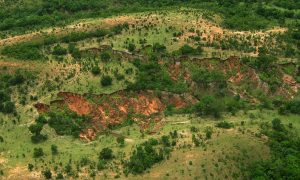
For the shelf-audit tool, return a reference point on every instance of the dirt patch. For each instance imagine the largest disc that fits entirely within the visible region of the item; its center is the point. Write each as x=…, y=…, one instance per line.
x=76, y=103
x=10, y=64
x=120, y=20
x=21, y=172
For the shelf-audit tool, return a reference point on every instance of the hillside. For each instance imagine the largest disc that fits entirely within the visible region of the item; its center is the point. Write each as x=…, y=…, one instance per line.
x=149, y=89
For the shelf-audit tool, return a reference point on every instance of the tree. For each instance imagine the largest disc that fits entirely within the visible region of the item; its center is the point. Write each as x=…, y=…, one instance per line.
x=277, y=125
x=106, y=81
x=9, y=107
x=121, y=141
x=60, y=176
x=224, y=124
x=208, y=132
x=41, y=120
x=96, y=70
x=165, y=141
x=131, y=47
x=38, y=152
x=159, y=47
x=106, y=154
x=30, y=167
x=105, y=56
x=59, y=50
x=54, y=149
x=188, y=50
x=47, y=173
x=207, y=106
x=36, y=128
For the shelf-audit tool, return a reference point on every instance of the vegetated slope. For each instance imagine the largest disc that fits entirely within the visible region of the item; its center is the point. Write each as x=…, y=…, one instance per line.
x=21, y=15
x=143, y=104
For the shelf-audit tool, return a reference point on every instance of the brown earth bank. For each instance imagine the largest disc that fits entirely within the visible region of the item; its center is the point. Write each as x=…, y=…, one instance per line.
x=238, y=74
x=107, y=110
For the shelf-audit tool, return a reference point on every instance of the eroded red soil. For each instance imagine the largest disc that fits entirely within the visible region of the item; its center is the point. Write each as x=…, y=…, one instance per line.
x=108, y=110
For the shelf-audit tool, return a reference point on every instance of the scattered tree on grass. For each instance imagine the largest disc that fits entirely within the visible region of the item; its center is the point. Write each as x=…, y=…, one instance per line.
x=224, y=124
x=47, y=173
x=38, y=152
x=106, y=81
x=59, y=50
x=121, y=141
x=105, y=57
x=54, y=149
x=96, y=70
x=106, y=154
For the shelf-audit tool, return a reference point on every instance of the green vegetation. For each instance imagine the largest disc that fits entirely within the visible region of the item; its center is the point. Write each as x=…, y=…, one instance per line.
x=147, y=154
x=106, y=81
x=67, y=123
x=141, y=89
x=284, y=144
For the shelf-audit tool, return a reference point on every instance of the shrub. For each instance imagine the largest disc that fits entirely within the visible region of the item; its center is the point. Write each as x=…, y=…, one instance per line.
x=159, y=47
x=188, y=50
x=96, y=70
x=47, y=173
x=66, y=123
x=208, y=106
x=54, y=149
x=106, y=81
x=131, y=47
x=208, y=132
x=106, y=154
x=224, y=124
x=121, y=141
x=277, y=125
x=38, y=152
x=30, y=167
x=59, y=50
x=194, y=129
x=105, y=56
x=144, y=157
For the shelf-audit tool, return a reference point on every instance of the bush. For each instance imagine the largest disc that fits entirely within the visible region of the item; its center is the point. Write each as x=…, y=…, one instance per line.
x=30, y=167
x=106, y=81
x=188, y=50
x=54, y=149
x=276, y=124
x=96, y=70
x=105, y=57
x=144, y=157
x=66, y=123
x=47, y=173
x=209, y=106
x=121, y=141
x=59, y=50
x=208, y=132
x=224, y=124
x=131, y=47
x=159, y=48
x=106, y=154
x=38, y=152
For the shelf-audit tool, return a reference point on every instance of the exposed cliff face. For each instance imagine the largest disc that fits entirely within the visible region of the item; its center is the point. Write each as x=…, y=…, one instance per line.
x=112, y=109
x=238, y=74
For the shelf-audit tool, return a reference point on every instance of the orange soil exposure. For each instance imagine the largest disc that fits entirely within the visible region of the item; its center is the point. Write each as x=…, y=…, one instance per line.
x=76, y=103
x=114, y=108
